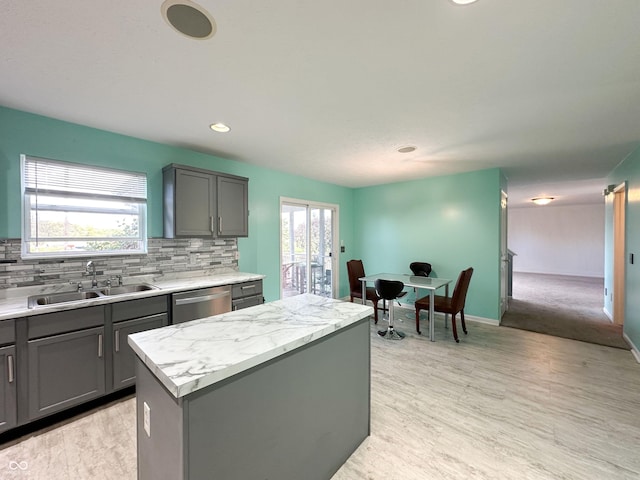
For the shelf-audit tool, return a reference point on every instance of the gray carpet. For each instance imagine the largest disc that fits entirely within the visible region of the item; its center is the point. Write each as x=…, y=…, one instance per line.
x=563, y=306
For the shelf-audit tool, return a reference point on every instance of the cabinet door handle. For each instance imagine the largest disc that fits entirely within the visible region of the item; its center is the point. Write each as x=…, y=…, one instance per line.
x=99, y=345
x=219, y=224
x=117, y=340
x=10, y=367
x=213, y=228
x=205, y=298
x=246, y=287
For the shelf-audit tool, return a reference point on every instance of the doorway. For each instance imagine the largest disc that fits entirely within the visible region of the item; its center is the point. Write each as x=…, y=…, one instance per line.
x=558, y=285
x=308, y=234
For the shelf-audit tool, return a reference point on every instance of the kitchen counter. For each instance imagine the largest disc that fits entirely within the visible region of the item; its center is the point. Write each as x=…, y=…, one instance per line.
x=15, y=306
x=189, y=356
x=280, y=390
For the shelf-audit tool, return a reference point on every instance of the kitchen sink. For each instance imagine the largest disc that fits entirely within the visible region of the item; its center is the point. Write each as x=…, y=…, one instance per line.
x=140, y=287
x=63, y=297
x=53, y=298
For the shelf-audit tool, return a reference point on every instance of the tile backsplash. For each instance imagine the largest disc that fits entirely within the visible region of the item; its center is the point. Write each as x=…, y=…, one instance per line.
x=165, y=257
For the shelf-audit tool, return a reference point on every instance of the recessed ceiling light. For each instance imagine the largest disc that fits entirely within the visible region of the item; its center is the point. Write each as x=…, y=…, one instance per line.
x=189, y=18
x=407, y=149
x=463, y=2
x=219, y=127
x=542, y=200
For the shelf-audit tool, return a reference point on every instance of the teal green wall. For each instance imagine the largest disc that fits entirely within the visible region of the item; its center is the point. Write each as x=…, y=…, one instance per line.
x=22, y=132
x=629, y=171
x=452, y=222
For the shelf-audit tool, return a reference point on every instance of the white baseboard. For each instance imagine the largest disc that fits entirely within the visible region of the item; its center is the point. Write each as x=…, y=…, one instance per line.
x=634, y=350
x=488, y=321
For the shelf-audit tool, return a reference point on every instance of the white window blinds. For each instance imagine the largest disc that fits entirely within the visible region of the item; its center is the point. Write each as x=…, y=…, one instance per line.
x=51, y=176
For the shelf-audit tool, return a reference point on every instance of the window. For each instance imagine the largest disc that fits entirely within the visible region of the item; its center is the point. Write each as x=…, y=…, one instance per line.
x=78, y=210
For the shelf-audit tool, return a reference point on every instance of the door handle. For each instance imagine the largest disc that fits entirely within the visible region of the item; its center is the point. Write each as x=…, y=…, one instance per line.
x=10, y=368
x=219, y=224
x=205, y=298
x=117, y=340
x=212, y=227
x=99, y=345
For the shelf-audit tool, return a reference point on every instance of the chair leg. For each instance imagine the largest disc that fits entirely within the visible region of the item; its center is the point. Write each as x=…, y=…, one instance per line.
x=418, y=320
x=455, y=330
x=464, y=327
x=375, y=311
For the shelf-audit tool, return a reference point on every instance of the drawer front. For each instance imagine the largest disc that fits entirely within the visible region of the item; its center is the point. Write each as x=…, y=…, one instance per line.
x=66, y=321
x=141, y=307
x=7, y=332
x=246, y=302
x=246, y=289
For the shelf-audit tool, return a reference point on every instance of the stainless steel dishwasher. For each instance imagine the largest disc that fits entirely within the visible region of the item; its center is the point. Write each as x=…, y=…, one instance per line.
x=201, y=303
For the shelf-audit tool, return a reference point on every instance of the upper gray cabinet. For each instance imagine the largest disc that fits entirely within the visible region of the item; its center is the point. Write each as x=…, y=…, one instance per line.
x=233, y=207
x=202, y=203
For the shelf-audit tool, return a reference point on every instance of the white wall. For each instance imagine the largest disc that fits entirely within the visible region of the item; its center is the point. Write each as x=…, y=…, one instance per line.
x=562, y=240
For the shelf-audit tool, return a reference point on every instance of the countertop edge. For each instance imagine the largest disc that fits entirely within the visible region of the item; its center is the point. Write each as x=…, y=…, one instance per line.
x=13, y=308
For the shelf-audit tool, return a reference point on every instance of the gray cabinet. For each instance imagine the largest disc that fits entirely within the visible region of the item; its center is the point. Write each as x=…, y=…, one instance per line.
x=8, y=404
x=132, y=316
x=203, y=203
x=124, y=359
x=65, y=359
x=194, y=203
x=65, y=370
x=233, y=206
x=246, y=294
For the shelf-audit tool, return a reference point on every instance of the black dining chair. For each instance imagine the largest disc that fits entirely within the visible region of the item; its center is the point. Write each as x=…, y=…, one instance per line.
x=390, y=290
x=420, y=269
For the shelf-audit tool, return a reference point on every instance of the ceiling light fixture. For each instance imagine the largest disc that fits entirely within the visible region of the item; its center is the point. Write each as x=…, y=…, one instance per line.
x=407, y=149
x=542, y=200
x=219, y=127
x=463, y=2
x=189, y=18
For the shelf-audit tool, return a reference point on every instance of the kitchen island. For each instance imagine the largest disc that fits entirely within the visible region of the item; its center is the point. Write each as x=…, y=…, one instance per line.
x=276, y=391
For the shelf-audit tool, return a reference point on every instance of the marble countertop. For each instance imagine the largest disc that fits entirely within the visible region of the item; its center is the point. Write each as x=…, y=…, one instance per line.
x=189, y=356
x=16, y=305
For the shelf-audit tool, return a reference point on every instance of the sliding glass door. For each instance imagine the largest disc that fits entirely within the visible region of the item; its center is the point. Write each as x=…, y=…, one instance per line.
x=307, y=238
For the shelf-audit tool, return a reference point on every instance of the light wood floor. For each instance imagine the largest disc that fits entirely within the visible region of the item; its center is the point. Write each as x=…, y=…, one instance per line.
x=502, y=404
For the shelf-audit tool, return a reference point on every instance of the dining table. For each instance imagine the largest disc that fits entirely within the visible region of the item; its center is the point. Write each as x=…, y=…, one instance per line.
x=431, y=284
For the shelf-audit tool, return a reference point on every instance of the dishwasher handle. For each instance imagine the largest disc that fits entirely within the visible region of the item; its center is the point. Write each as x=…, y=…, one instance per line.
x=202, y=298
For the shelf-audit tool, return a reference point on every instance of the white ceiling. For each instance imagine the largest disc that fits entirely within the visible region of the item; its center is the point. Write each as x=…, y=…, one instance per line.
x=547, y=90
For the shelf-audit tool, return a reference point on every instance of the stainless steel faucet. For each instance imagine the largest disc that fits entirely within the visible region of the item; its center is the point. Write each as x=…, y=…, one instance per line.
x=91, y=268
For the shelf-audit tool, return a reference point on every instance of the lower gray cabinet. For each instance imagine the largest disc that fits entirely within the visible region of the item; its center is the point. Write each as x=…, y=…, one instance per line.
x=8, y=405
x=246, y=294
x=65, y=370
x=124, y=359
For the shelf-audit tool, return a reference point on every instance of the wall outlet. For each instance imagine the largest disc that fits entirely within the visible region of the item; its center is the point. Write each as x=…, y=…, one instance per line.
x=146, y=418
